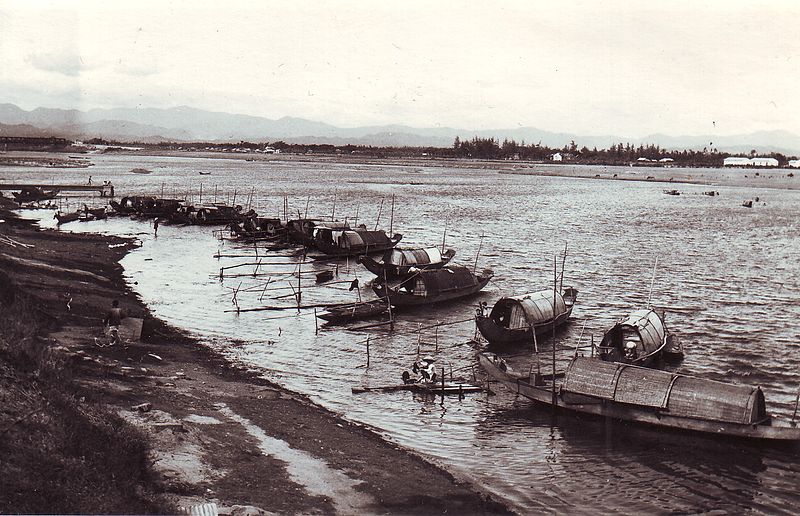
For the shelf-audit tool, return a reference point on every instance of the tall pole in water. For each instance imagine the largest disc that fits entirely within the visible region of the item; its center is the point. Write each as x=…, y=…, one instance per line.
x=201, y=193
x=555, y=284
x=391, y=217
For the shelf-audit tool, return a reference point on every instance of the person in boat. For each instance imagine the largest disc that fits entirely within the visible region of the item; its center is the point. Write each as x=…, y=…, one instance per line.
x=481, y=310
x=630, y=350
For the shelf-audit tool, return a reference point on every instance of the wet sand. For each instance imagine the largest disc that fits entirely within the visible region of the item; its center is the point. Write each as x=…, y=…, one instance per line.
x=218, y=434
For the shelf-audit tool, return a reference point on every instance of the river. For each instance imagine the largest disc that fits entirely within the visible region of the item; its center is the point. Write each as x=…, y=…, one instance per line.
x=727, y=276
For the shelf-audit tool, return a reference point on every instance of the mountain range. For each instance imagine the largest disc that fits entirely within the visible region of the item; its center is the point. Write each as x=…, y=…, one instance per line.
x=190, y=124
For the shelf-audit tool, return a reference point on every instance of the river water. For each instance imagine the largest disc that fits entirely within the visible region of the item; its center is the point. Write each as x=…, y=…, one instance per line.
x=727, y=276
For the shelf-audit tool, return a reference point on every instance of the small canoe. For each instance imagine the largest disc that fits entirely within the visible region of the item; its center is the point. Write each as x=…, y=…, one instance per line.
x=449, y=388
x=354, y=311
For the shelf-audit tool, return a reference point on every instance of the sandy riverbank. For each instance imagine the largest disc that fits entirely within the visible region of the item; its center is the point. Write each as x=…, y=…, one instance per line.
x=213, y=433
x=739, y=177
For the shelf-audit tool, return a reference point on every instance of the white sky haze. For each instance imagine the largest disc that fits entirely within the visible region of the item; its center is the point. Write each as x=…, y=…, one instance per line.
x=602, y=67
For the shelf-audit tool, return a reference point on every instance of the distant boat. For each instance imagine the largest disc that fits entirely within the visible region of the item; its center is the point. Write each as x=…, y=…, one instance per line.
x=672, y=192
x=433, y=286
x=397, y=262
x=141, y=171
x=748, y=203
x=204, y=173
x=661, y=399
x=512, y=318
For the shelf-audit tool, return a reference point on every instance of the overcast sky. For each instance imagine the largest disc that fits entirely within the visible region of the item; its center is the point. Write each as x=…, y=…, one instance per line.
x=625, y=68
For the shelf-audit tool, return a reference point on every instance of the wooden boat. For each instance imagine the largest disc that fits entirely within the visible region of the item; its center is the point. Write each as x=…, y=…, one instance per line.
x=141, y=171
x=433, y=286
x=748, y=203
x=649, y=396
x=146, y=206
x=672, y=192
x=206, y=214
x=339, y=314
x=64, y=218
x=90, y=214
x=83, y=215
x=204, y=173
x=257, y=228
x=31, y=194
x=397, y=262
x=301, y=231
x=513, y=319
x=435, y=389
x=352, y=242
x=640, y=338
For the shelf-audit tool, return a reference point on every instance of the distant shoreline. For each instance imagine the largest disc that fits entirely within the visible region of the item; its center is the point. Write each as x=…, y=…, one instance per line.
x=773, y=178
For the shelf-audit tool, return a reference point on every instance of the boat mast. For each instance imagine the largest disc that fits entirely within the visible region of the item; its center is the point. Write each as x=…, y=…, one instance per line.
x=333, y=212
x=652, y=282
x=480, y=244
x=305, y=213
x=555, y=283
x=563, y=263
x=391, y=217
x=444, y=236
x=380, y=210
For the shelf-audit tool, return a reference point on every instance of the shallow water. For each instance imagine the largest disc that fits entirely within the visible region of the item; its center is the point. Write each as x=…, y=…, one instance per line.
x=727, y=275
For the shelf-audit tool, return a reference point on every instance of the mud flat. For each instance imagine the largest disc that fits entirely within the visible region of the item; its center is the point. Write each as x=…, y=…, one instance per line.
x=210, y=432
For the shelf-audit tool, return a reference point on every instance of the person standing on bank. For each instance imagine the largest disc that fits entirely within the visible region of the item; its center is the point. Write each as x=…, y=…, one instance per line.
x=112, y=320
x=155, y=227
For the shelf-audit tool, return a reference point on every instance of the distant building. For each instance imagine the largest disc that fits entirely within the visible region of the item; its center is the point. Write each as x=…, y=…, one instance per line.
x=750, y=162
x=666, y=160
x=558, y=157
x=764, y=162
x=794, y=163
x=736, y=162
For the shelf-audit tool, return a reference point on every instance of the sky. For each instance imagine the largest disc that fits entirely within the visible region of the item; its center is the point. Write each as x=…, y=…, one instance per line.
x=587, y=67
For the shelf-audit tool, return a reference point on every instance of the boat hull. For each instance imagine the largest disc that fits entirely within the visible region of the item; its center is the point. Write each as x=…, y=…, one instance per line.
x=404, y=299
x=497, y=335
x=388, y=272
x=584, y=404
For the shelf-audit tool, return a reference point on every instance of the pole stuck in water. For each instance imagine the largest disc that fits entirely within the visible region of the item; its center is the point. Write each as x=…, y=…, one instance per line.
x=555, y=285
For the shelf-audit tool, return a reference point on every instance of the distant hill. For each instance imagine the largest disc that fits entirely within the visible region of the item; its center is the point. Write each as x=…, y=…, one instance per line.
x=189, y=124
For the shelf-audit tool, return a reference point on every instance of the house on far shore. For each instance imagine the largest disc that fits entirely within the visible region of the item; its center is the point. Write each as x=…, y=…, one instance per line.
x=557, y=157
x=736, y=162
x=794, y=163
x=666, y=160
x=764, y=162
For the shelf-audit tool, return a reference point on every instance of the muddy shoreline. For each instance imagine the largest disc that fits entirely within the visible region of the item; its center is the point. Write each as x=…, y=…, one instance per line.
x=216, y=433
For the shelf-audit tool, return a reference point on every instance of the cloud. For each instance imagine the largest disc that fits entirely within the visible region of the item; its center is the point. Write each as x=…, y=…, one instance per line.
x=63, y=63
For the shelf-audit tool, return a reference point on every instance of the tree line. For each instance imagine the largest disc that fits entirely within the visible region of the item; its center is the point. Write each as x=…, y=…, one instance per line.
x=481, y=149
